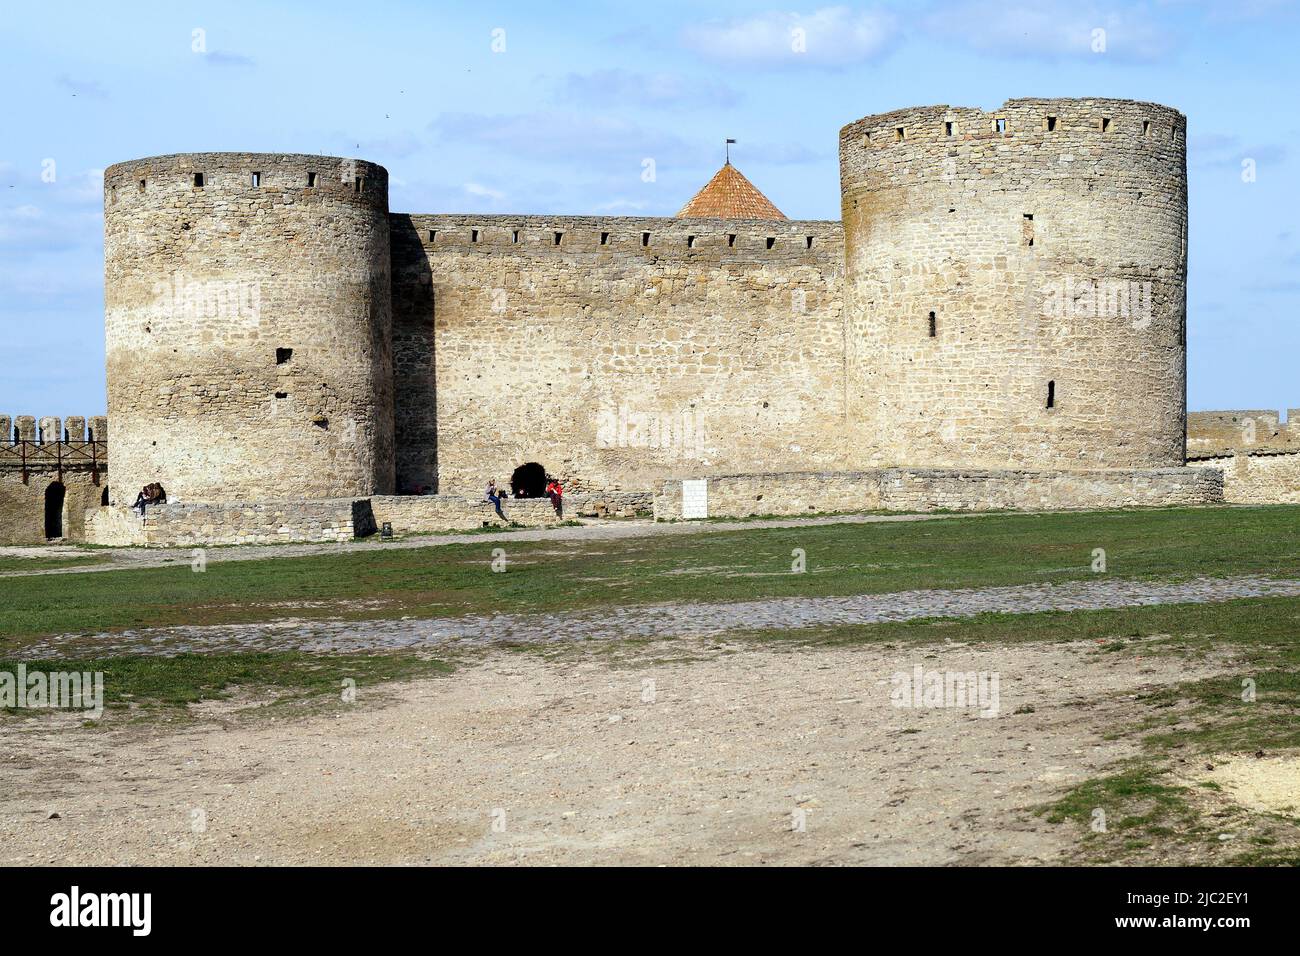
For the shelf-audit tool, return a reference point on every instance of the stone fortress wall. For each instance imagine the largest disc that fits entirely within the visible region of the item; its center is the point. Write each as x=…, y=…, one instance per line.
x=1258, y=453
x=615, y=351
x=1015, y=283
x=248, y=321
x=1004, y=302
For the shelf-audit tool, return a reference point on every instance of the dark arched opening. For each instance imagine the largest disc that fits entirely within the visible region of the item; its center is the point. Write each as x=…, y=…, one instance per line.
x=528, y=481
x=54, y=509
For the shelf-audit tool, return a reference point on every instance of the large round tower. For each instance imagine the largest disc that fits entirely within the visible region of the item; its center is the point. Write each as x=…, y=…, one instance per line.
x=1015, y=284
x=248, y=324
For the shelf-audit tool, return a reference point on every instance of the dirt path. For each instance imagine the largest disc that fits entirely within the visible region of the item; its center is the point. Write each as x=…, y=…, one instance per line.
x=703, y=761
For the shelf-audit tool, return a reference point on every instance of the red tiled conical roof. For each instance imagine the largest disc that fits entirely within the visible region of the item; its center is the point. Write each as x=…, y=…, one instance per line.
x=729, y=195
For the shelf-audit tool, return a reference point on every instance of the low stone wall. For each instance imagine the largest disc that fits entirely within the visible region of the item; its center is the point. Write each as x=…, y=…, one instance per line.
x=425, y=514
x=936, y=490
x=788, y=493
x=914, y=489
x=1257, y=477
x=262, y=522
x=114, y=525
x=337, y=519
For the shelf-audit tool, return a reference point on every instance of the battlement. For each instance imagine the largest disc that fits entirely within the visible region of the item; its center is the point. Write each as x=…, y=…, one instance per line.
x=1062, y=137
x=206, y=178
x=1247, y=430
x=49, y=430
x=48, y=445
x=702, y=240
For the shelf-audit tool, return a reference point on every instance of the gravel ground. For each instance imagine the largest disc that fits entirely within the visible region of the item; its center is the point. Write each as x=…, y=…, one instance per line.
x=656, y=620
x=714, y=760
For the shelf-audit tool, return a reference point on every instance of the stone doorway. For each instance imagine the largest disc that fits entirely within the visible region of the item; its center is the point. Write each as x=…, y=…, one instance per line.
x=54, y=496
x=529, y=481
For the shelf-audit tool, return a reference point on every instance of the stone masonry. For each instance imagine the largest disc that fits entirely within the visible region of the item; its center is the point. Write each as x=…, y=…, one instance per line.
x=1004, y=301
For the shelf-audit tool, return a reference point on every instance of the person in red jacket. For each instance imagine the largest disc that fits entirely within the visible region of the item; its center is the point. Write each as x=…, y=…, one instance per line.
x=555, y=493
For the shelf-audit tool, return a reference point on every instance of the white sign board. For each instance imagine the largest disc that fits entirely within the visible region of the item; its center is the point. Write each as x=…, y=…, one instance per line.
x=695, y=498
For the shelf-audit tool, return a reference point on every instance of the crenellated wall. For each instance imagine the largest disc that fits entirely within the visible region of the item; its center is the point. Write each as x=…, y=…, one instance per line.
x=51, y=471
x=1242, y=430
x=614, y=351
x=1005, y=299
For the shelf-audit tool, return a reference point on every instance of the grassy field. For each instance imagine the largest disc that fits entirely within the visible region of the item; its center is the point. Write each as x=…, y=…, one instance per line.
x=1155, y=814
x=736, y=565
x=50, y=564
x=171, y=684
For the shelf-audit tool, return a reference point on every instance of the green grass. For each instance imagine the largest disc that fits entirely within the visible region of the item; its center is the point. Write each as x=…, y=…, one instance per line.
x=735, y=565
x=152, y=683
x=50, y=564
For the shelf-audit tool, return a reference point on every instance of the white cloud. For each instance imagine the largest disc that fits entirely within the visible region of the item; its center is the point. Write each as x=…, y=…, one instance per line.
x=830, y=36
x=1052, y=29
x=569, y=137
x=622, y=205
x=624, y=88
x=483, y=192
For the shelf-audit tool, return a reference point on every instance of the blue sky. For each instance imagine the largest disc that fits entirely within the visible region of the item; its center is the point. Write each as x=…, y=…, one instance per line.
x=562, y=118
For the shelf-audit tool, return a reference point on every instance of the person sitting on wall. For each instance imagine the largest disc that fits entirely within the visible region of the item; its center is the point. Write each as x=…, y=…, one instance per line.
x=151, y=494
x=555, y=493
x=491, y=494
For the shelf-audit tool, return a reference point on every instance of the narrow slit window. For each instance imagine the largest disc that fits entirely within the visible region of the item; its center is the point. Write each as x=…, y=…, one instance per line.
x=809, y=240
x=604, y=238
x=198, y=180
x=771, y=241
x=515, y=236
x=645, y=238
x=731, y=239
x=1027, y=227
x=1000, y=125
x=433, y=234
x=1051, y=394
x=282, y=356
x=1146, y=129
x=690, y=242
x=934, y=325
x=142, y=185
x=1105, y=124
x=1051, y=124
x=311, y=180
x=900, y=134
x=359, y=183
x=473, y=235
x=947, y=128
x=257, y=179
x=559, y=237
x=113, y=195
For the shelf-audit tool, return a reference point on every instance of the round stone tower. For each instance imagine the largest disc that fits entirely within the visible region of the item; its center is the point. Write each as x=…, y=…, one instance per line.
x=1016, y=284
x=248, y=322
